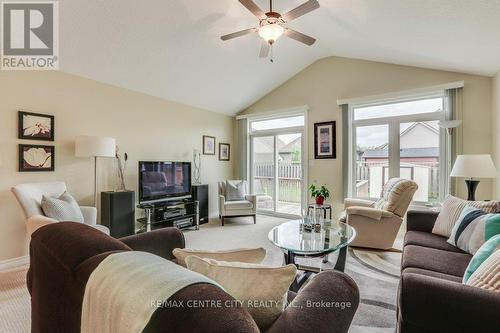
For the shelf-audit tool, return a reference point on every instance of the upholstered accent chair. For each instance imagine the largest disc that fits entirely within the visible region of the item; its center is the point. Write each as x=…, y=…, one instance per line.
x=377, y=222
x=29, y=197
x=236, y=208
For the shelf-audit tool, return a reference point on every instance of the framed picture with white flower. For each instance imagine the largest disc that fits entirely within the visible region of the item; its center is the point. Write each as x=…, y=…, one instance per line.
x=35, y=126
x=36, y=158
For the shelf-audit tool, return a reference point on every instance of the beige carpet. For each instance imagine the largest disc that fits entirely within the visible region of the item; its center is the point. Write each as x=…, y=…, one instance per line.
x=14, y=301
x=376, y=313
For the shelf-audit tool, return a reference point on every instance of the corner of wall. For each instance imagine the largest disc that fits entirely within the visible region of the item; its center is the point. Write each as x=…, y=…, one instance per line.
x=496, y=130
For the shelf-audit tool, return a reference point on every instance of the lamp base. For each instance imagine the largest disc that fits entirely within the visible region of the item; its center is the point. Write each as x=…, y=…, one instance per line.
x=471, y=189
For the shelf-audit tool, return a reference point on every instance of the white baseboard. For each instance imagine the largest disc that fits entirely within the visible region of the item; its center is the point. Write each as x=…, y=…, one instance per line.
x=14, y=263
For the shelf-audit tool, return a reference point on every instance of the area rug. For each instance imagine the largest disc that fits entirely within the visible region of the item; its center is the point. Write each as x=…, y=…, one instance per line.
x=375, y=272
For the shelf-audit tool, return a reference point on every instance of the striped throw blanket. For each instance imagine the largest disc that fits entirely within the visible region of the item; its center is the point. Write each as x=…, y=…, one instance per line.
x=126, y=288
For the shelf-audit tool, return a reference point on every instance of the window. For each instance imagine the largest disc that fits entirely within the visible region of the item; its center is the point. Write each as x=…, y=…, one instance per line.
x=398, y=139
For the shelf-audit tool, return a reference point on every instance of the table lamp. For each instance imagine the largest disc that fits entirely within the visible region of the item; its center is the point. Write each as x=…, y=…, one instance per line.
x=95, y=146
x=473, y=166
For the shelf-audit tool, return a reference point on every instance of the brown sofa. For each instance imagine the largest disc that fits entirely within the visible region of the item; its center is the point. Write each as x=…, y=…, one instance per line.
x=431, y=296
x=63, y=255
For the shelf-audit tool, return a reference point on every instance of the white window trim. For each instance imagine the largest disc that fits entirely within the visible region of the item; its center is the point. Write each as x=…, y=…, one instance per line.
x=282, y=113
x=393, y=123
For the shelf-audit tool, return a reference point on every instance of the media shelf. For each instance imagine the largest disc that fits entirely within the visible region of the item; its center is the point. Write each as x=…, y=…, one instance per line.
x=182, y=215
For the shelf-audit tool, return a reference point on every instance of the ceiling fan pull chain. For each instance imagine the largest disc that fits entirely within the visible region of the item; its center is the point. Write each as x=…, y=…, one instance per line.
x=271, y=53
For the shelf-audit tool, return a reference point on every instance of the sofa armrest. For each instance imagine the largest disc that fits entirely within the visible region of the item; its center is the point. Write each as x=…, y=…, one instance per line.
x=326, y=304
x=447, y=306
x=420, y=219
x=351, y=202
x=160, y=242
x=89, y=215
x=372, y=213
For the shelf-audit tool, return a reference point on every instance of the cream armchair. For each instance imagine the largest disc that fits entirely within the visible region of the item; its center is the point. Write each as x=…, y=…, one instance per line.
x=236, y=208
x=29, y=197
x=377, y=223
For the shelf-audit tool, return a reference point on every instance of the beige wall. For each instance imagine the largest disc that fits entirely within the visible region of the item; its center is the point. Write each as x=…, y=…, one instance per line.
x=496, y=130
x=147, y=128
x=324, y=82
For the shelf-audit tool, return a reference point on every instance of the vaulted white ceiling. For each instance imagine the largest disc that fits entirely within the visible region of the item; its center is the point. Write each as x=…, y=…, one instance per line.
x=171, y=48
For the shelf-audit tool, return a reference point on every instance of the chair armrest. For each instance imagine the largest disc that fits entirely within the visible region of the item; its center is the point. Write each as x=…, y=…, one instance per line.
x=350, y=202
x=222, y=202
x=160, y=242
x=253, y=199
x=326, y=304
x=373, y=213
x=421, y=219
x=89, y=215
x=37, y=221
x=447, y=306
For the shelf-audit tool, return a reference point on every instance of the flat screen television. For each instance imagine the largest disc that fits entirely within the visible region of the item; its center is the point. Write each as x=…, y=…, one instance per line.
x=159, y=181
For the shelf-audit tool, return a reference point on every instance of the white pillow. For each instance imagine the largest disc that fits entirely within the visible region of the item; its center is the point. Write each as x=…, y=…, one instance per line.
x=235, y=190
x=63, y=209
x=250, y=256
x=261, y=289
x=451, y=209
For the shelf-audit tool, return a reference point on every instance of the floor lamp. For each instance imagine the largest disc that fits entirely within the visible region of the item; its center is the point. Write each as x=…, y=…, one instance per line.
x=95, y=146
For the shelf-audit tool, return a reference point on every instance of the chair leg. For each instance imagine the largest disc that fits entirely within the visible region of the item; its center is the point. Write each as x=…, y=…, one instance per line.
x=255, y=219
x=222, y=220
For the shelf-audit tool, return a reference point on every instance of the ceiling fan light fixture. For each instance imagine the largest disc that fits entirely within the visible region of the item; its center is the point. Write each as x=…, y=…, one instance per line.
x=271, y=32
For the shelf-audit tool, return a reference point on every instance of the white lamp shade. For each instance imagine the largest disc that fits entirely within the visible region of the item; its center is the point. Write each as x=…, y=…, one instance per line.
x=95, y=146
x=474, y=166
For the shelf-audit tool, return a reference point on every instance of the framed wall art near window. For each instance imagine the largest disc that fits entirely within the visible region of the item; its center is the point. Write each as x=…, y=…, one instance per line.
x=35, y=126
x=208, y=145
x=325, y=140
x=224, y=151
x=36, y=158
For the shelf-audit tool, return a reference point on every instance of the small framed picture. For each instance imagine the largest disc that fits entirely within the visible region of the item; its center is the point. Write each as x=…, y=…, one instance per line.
x=36, y=158
x=35, y=126
x=208, y=145
x=325, y=140
x=224, y=151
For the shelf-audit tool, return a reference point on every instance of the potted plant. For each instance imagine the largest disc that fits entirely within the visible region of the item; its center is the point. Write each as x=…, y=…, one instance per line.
x=320, y=194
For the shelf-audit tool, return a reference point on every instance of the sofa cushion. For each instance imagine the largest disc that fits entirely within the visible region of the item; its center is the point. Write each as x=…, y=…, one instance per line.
x=486, y=250
x=441, y=261
x=63, y=208
x=237, y=205
x=263, y=290
x=235, y=190
x=438, y=275
x=250, y=256
x=473, y=228
x=451, y=209
x=427, y=239
x=487, y=275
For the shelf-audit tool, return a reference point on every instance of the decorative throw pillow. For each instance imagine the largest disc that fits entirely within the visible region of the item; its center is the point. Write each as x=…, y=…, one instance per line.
x=473, y=228
x=261, y=289
x=491, y=245
x=451, y=209
x=487, y=275
x=235, y=190
x=65, y=208
x=250, y=256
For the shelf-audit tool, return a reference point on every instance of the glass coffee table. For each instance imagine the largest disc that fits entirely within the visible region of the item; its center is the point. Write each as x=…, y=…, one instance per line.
x=333, y=236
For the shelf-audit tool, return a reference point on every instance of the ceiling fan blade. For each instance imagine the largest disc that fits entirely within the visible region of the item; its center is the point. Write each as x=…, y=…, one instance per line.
x=264, y=49
x=254, y=9
x=298, y=36
x=303, y=9
x=238, y=33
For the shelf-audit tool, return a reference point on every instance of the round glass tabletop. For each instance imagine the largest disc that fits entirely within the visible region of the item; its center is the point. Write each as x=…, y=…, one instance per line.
x=291, y=236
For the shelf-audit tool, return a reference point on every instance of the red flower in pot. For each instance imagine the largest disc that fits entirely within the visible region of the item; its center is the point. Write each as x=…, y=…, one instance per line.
x=320, y=194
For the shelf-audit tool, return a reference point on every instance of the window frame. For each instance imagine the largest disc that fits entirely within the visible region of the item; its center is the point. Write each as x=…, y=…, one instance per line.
x=394, y=123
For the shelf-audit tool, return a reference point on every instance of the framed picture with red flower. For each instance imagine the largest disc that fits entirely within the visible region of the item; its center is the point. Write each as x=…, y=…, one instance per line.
x=36, y=158
x=35, y=126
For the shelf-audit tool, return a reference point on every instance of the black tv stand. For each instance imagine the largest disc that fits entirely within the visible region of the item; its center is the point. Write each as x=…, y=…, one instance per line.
x=183, y=214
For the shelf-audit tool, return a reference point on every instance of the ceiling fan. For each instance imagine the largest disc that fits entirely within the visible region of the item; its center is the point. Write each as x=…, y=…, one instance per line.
x=272, y=25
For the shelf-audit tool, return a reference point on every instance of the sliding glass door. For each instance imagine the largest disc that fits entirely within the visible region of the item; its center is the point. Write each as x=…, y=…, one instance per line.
x=276, y=166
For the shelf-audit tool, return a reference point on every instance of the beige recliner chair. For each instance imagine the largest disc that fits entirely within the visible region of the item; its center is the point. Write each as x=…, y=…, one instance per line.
x=377, y=222
x=29, y=197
